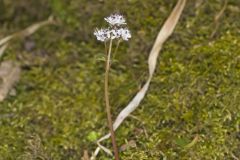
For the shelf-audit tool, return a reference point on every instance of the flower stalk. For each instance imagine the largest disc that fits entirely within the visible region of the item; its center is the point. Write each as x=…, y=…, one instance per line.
x=108, y=108
x=114, y=31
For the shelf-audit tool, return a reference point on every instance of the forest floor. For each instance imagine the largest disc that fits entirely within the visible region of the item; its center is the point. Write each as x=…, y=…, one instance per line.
x=191, y=111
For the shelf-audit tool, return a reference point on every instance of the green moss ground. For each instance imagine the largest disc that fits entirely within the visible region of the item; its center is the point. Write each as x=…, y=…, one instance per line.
x=58, y=111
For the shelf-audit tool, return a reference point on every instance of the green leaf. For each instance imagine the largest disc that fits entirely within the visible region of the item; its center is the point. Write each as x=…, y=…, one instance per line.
x=92, y=136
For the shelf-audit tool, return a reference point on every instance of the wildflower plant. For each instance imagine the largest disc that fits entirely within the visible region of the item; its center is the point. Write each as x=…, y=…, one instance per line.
x=117, y=30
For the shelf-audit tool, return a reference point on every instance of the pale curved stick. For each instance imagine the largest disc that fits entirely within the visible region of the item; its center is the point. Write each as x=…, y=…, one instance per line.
x=2, y=49
x=24, y=33
x=163, y=35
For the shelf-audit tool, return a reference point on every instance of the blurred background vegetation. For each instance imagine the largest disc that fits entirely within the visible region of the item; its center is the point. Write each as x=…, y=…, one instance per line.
x=192, y=110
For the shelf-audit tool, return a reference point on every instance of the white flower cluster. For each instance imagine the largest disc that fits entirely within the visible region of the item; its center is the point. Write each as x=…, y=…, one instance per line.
x=115, y=19
x=115, y=31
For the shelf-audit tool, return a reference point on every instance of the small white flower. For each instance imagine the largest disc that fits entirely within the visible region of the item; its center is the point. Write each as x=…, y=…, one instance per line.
x=125, y=33
x=114, y=31
x=114, y=34
x=102, y=34
x=106, y=34
x=115, y=19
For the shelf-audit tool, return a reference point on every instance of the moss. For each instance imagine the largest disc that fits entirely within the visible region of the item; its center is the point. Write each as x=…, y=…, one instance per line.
x=59, y=103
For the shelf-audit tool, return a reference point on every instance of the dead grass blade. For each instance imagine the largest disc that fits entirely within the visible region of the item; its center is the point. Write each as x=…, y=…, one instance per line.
x=2, y=49
x=218, y=17
x=24, y=33
x=163, y=35
x=193, y=142
x=9, y=75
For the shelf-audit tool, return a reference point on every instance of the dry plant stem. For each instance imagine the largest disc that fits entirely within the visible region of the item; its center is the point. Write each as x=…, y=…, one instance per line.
x=109, y=115
x=106, y=48
x=218, y=17
x=116, y=49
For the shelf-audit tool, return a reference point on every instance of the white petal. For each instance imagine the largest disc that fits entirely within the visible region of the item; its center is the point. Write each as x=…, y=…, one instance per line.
x=115, y=19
